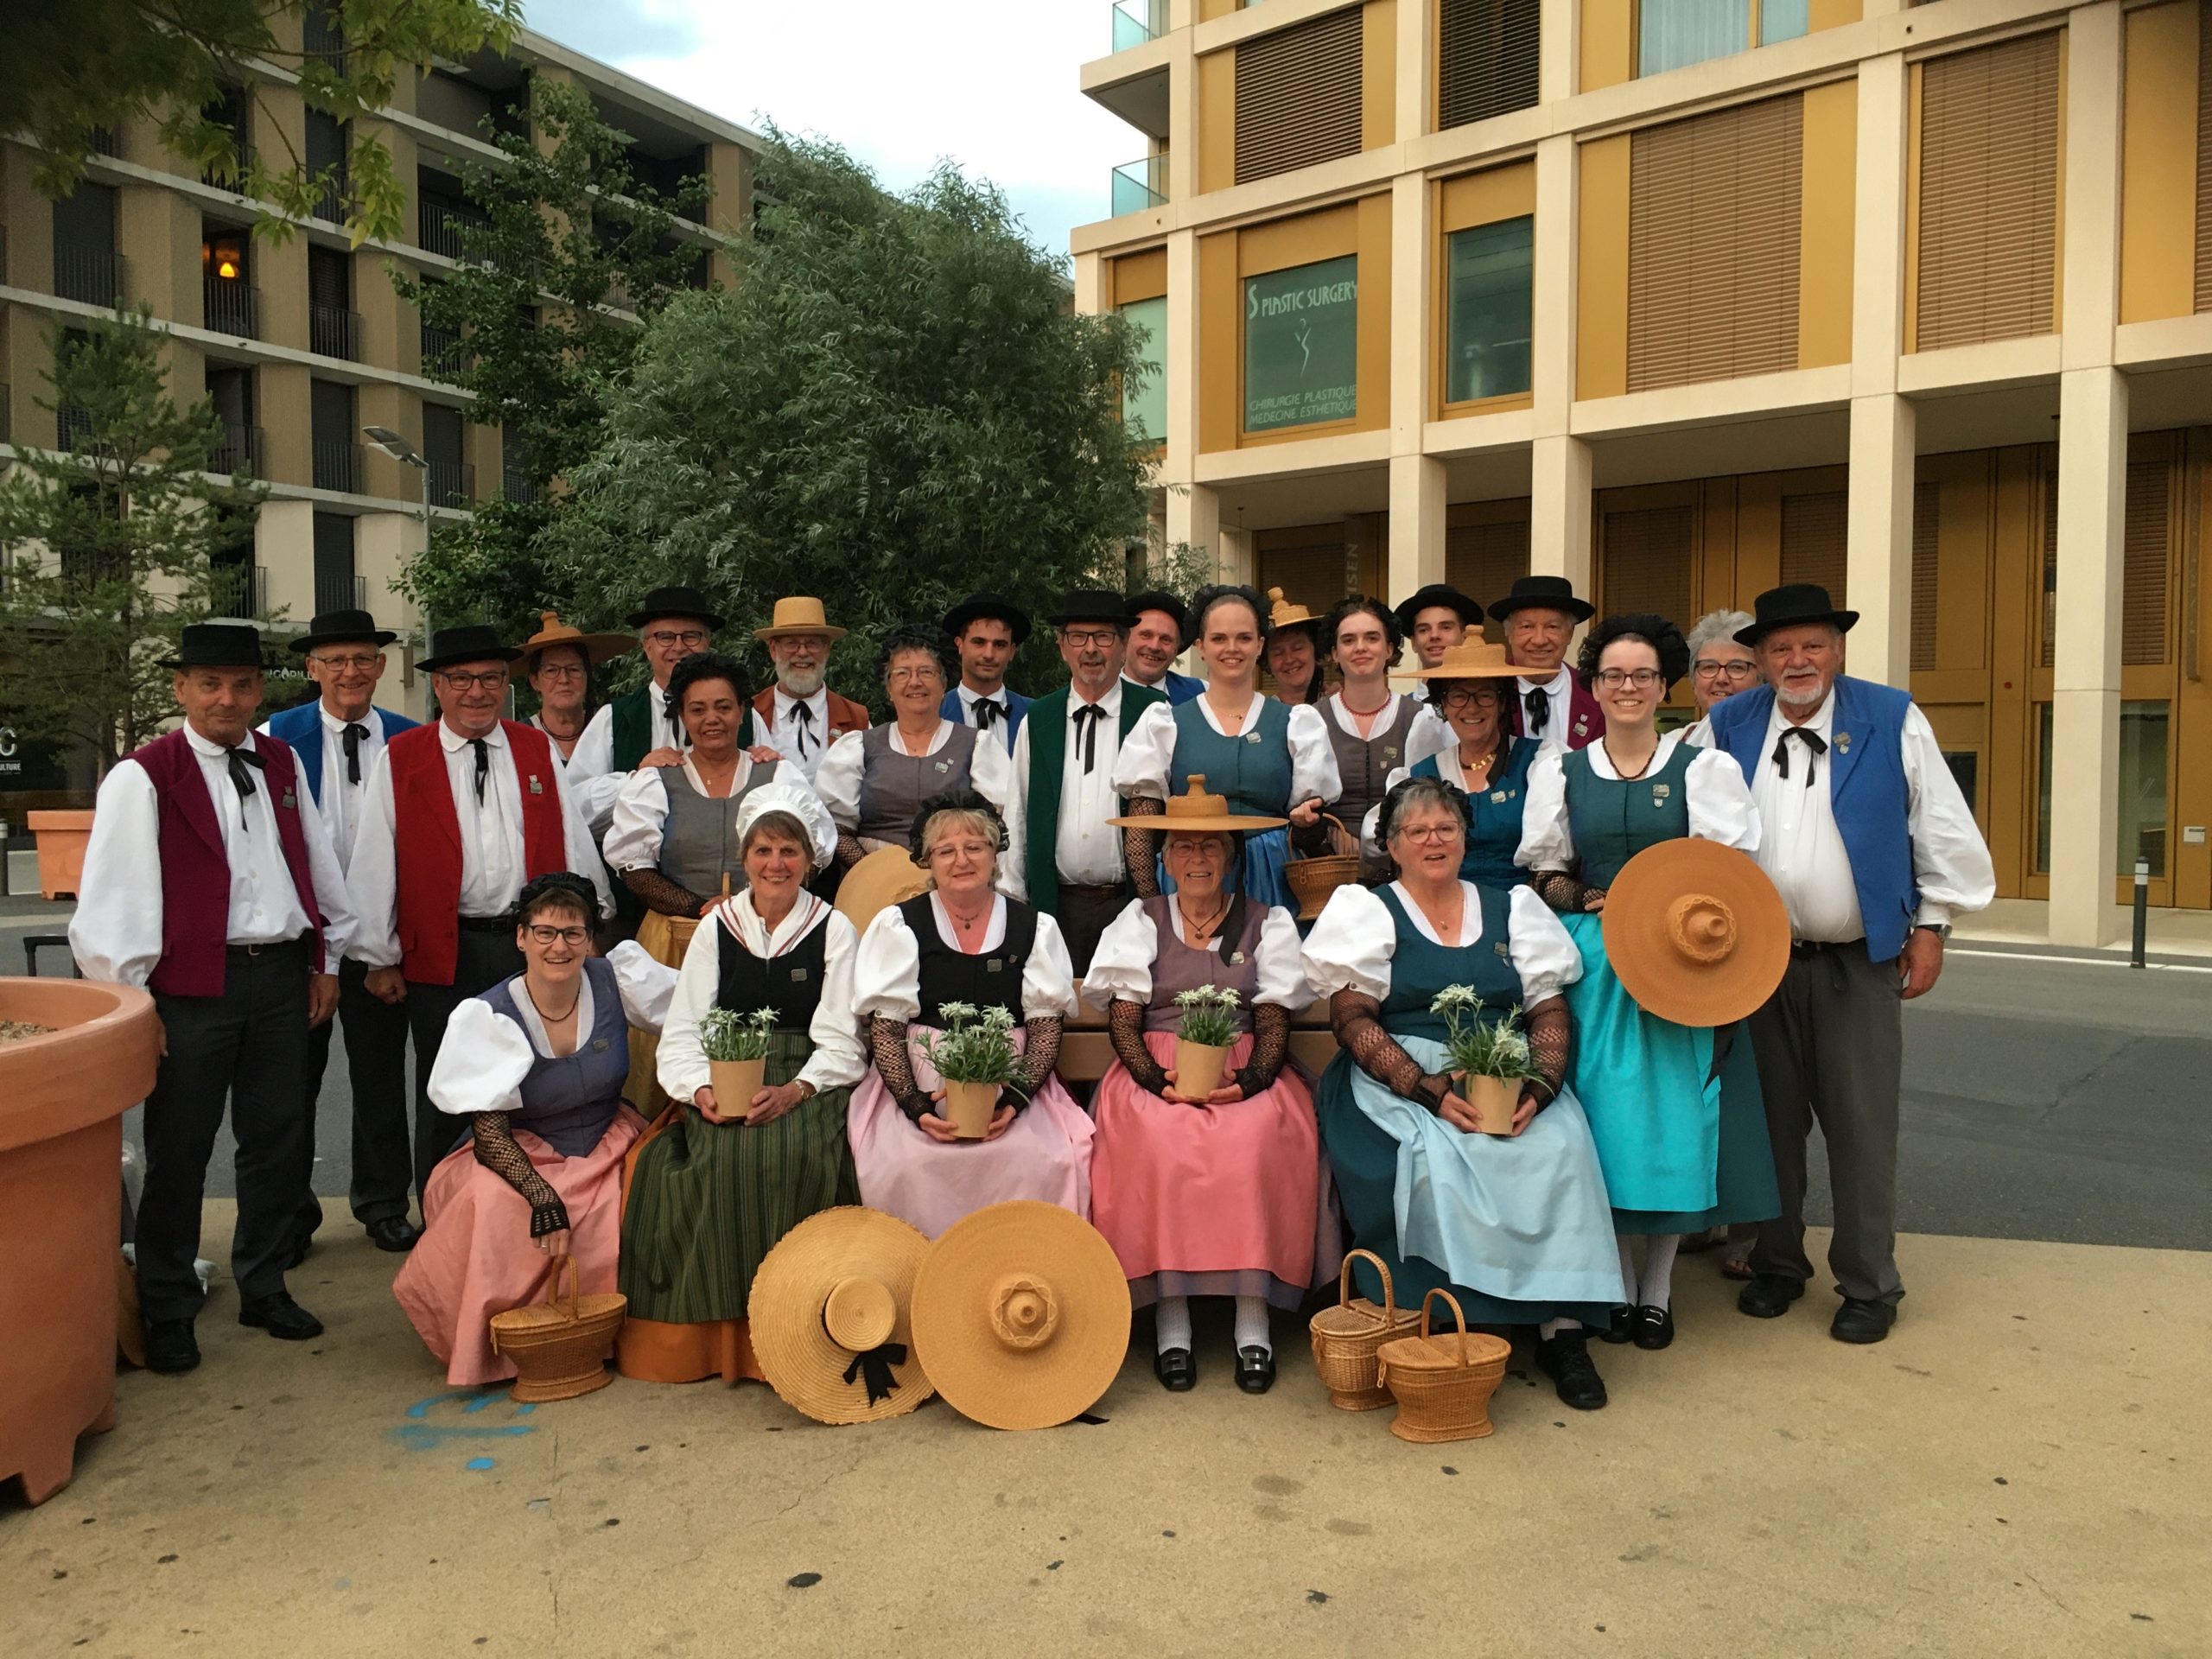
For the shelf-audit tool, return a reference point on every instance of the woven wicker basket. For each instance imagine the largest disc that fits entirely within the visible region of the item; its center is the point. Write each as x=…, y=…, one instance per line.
x=1347, y=1336
x=1443, y=1384
x=1313, y=879
x=560, y=1348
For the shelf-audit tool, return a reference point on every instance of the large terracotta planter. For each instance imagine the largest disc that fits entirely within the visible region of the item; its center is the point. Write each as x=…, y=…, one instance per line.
x=62, y=838
x=62, y=1098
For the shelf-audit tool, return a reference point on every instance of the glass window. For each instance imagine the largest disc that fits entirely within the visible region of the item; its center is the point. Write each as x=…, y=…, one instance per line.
x=1781, y=20
x=1489, y=282
x=1301, y=345
x=1144, y=404
x=2143, y=730
x=2042, y=789
x=1671, y=33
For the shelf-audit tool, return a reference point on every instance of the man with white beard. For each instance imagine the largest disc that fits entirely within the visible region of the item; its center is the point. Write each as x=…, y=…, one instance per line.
x=799, y=716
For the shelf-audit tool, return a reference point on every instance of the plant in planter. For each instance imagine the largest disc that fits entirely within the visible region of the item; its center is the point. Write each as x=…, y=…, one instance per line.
x=1489, y=1059
x=1203, y=1040
x=737, y=1046
x=975, y=1057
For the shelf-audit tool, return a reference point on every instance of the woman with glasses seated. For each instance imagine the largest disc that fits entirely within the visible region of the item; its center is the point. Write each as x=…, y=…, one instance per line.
x=1676, y=1112
x=533, y=1071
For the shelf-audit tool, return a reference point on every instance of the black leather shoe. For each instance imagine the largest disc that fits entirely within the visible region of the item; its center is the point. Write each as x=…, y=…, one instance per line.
x=171, y=1347
x=1177, y=1371
x=1858, y=1321
x=1768, y=1295
x=1622, y=1325
x=1565, y=1358
x=1256, y=1369
x=1655, y=1327
x=393, y=1233
x=279, y=1316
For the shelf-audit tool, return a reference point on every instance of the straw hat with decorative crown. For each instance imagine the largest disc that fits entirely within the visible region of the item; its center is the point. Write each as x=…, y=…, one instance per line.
x=1696, y=933
x=552, y=631
x=1472, y=658
x=800, y=615
x=1196, y=812
x=829, y=1309
x=885, y=877
x=1284, y=614
x=1022, y=1315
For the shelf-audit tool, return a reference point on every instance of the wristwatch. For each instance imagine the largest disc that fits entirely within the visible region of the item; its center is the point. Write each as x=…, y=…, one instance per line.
x=1941, y=930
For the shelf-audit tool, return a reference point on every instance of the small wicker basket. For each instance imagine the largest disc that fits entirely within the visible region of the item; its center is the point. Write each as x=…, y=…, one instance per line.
x=1346, y=1337
x=1313, y=879
x=1443, y=1384
x=560, y=1348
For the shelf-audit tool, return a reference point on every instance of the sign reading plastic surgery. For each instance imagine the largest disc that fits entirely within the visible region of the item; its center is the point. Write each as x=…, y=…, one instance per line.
x=1301, y=345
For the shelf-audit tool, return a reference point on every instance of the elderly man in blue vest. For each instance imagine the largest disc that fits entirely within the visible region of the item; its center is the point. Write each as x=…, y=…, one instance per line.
x=1874, y=850
x=337, y=738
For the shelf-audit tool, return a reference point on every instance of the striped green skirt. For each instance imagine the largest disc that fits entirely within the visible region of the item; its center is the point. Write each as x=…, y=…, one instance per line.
x=708, y=1201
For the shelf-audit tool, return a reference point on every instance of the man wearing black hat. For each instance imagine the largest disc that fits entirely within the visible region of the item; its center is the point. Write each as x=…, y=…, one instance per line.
x=986, y=631
x=210, y=881
x=1159, y=631
x=1063, y=856
x=1540, y=615
x=1874, y=849
x=457, y=816
x=1436, y=620
x=338, y=739
x=636, y=729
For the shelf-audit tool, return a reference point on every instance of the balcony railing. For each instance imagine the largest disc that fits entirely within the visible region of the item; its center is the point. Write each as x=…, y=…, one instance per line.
x=1136, y=22
x=442, y=353
x=453, y=484
x=332, y=332
x=338, y=590
x=323, y=37
x=337, y=467
x=7, y=423
x=232, y=306
x=241, y=450
x=230, y=182
x=330, y=207
x=439, y=222
x=518, y=485
x=88, y=276
x=239, y=590
x=72, y=427
x=101, y=140
x=1140, y=185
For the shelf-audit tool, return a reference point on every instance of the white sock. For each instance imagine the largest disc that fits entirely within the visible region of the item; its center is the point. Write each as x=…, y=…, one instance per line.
x=1252, y=1324
x=1658, y=1269
x=1172, y=1317
x=1551, y=1328
x=1628, y=1269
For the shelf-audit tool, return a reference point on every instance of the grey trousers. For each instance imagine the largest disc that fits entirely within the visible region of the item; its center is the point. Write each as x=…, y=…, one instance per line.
x=376, y=1064
x=250, y=1046
x=482, y=961
x=1831, y=1048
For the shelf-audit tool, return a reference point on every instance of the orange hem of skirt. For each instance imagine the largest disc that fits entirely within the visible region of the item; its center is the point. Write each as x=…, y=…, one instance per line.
x=652, y=1350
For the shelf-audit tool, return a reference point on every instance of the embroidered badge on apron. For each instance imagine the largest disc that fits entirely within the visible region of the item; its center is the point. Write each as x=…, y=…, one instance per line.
x=1498, y=797
x=1251, y=737
x=1389, y=751
x=990, y=964
x=798, y=975
x=1501, y=948
x=290, y=802
x=944, y=766
x=1659, y=794
x=598, y=1045
x=536, y=788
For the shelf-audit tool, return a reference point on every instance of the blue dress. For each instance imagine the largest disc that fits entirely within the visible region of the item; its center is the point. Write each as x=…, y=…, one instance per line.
x=1496, y=833
x=1253, y=770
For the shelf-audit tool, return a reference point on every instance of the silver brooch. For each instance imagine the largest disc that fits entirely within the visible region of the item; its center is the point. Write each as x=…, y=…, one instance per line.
x=598, y=1045
x=944, y=766
x=1389, y=751
x=1251, y=737
x=798, y=975
x=1500, y=947
x=1843, y=742
x=536, y=788
x=1659, y=793
x=1497, y=797
x=291, y=803
x=1237, y=958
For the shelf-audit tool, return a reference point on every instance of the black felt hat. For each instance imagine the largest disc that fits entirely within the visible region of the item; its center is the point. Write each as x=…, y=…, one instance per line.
x=217, y=645
x=1436, y=594
x=1091, y=605
x=1542, y=593
x=982, y=605
x=343, y=628
x=676, y=602
x=1792, y=606
x=473, y=644
x=1154, y=599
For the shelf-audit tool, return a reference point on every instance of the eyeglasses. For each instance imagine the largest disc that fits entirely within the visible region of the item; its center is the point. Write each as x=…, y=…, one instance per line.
x=1471, y=696
x=1083, y=638
x=1429, y=834
x=562, y=671
x=946, y=849
x=1706, y=669
x=361, y=662
x=690, y=639
x=492, y=679
x=1613, y=678
x=901, y=676
x=568, y=936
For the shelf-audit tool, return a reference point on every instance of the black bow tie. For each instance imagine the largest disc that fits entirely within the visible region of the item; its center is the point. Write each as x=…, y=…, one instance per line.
x=1086, y=723
x=1538, y=702
x=242, y=780
x=805, y=715
x=1814, y=742
x=355, y=733
x=987, y=710
x=483, y=766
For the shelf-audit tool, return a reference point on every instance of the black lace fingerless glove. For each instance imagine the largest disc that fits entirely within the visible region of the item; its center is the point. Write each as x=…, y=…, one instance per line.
x=1125, y=1025
x=1568, y=894
x=1270, y=1048
x=657, y=893
x=887, y=1042
x=1551, y=1046
x=1140, y=847
x=1356, y=1019
x=496, y=1148
x=1038, y=1056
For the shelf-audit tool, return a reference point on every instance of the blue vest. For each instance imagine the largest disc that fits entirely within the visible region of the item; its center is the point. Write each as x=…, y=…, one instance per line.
x=1865, y=768
x=302, y=727
x=1016, y=706
x=1180, y=688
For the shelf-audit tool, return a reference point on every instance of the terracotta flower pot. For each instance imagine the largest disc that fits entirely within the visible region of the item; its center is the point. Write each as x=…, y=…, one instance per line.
x=62, y=838
x=968, y=1107
x=736, y=1083
x=62, y=1098
x=1493, y=1099
x=1199, y=1067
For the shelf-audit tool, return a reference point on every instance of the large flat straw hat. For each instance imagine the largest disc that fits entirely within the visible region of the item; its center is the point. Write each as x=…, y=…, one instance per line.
x=885, y=877
x=1022, y=1315
x=1282, y=614
x=830, y=1310
x=1696, y=933
x=552, y=631
x=800, y=615
x=1196, y=812
x=1472, y=658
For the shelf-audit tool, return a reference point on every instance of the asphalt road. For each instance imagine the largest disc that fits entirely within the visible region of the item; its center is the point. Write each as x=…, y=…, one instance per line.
x=2047, y=1100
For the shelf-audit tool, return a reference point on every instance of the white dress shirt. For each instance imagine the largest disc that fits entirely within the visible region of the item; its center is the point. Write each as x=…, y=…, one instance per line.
x=1719, y=806
x=1559, y=692
x=592, y=778
x=969, y=697
x=838, y=1060
x=1803, y=849
x=116, y=933
x=1086, y=848
x=1149, y=755
x=339, y=801
x=784, y=735
x=491, y=860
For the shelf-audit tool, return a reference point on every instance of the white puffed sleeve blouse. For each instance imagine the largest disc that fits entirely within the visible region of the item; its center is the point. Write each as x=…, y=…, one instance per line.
x=1121, y=965
x=1354, y=937
x=887, y=979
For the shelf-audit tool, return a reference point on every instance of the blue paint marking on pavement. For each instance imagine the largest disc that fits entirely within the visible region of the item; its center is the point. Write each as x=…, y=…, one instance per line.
x=421, y=1437
x=480, y=1464
x=524, y=1410
x=475, y=1398
x=418, y=1434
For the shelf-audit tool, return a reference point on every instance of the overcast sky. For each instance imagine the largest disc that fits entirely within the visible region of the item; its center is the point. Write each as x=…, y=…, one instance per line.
x=989, y=84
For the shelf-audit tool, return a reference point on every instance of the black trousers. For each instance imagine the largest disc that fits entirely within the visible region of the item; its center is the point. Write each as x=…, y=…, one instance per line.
x=248, y=1046
x=376, y=1062
x=482, y=961
x=1084, y=914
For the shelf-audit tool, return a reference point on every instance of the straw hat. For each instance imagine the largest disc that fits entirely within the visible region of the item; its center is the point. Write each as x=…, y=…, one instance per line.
x=801, y=615
x=1284, y=614
x=885, y=877
x=552, y=631
x=1022, y=1315
x=1696, y=933
x=830, y=1310
x=1196, y=811
x=1472, y=658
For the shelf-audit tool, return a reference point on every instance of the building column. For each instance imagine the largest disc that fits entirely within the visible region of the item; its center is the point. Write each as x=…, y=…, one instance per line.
x=1560, y=46
x=1878, y=552
x=1558, y=510
x=283, y=546
x=1194, y=516
x=1417, y=510
x=1551, y=312
x=1180, y=372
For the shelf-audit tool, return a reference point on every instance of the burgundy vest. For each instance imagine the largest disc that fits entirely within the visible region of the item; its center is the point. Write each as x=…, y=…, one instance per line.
x=1585, y=720
x=196, y=872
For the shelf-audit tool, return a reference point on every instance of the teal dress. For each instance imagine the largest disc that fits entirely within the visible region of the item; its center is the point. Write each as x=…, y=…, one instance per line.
x=1253, y=770
x=1517, y=1228
x=1676, y=1111
x=1496, y=833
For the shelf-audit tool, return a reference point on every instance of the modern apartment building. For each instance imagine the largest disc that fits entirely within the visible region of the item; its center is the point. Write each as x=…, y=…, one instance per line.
x=302, y=344
x=1683, y=298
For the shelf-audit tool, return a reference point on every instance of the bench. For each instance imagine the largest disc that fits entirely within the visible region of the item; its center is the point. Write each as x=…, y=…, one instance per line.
x=1086, y=1049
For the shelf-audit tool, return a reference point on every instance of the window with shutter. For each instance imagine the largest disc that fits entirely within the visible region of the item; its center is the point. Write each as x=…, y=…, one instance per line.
x=1483, y=561
x=2143, y=580
x=1927, y=527
x=1713, y=206
x=1813, y=540
x=1646, y=563
x=1989, y=240
x=1486, y=59
x=1299, y=96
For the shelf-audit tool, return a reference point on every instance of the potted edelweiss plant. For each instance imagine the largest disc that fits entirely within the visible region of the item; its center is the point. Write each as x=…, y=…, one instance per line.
x=975, y=1058
x=1204, y=1039
x=736, y=1046
x=1489, y=1060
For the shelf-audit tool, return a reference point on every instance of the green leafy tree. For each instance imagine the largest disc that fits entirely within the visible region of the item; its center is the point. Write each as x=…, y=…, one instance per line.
x=69, y=69
x=113, y=544
x=571, y=251
x=891, y=406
